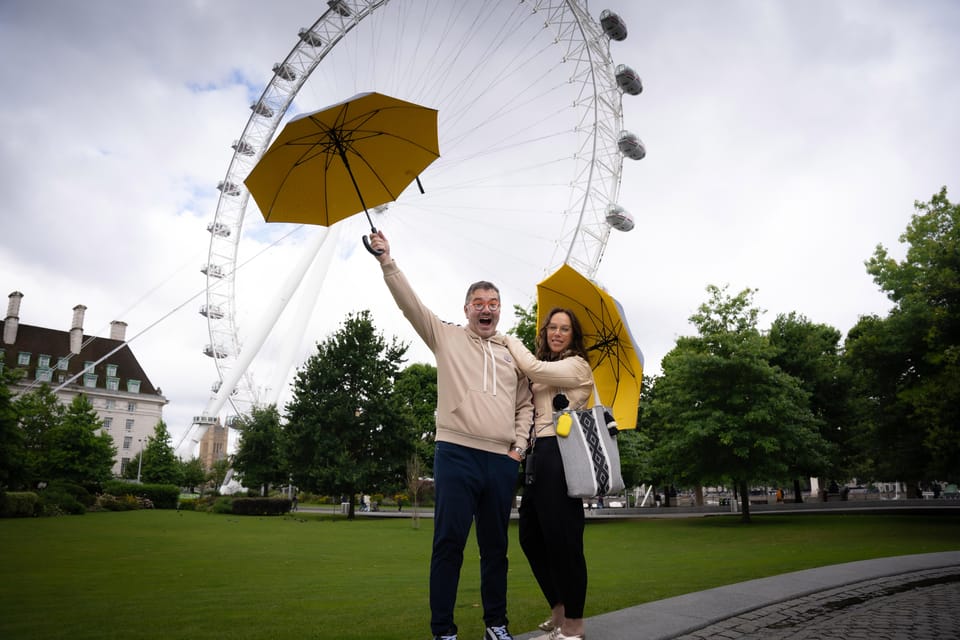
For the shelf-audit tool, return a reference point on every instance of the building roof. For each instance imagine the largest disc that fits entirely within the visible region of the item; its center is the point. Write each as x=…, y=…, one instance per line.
x=56, y=344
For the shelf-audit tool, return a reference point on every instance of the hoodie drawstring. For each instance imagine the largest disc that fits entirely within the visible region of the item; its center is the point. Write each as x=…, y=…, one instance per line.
x=493, y=363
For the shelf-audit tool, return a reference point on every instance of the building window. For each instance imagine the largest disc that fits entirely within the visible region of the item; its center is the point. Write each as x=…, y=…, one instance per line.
x=90, y=380
x=112, y=370
x=110, y=403
x=63, y=362
x=127, y=441
x=44, y=375
x=133, y=386
x=123, y=464
x=43, y=361
x=131, y=406
x=113, y=384
x=88, y=366
x=107, y=423
x=23, y=358
x=129, y=424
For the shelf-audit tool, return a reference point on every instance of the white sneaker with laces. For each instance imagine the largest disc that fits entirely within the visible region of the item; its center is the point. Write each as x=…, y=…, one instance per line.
x=497, y=633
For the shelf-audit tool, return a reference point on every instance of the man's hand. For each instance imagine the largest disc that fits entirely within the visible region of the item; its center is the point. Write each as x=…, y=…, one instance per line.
x=378, y=241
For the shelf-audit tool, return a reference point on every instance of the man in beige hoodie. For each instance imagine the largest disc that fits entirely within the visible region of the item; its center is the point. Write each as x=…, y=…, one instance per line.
x=484, y=414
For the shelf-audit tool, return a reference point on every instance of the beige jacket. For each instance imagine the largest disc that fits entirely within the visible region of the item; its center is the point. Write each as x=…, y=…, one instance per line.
x=483, y=401
x=570, y=376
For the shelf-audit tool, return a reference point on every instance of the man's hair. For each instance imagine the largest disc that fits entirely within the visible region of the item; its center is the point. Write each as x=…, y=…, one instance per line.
x=476, y=286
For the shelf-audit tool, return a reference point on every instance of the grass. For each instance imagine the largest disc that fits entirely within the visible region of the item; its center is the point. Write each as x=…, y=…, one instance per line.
x=168, y=574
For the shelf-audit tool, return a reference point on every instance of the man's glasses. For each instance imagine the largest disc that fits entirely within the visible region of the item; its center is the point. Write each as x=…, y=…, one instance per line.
x=490, y=306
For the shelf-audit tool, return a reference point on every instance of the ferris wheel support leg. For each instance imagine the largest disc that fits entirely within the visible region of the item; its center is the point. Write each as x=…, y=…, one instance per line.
x=307, y=300
x=269, y=319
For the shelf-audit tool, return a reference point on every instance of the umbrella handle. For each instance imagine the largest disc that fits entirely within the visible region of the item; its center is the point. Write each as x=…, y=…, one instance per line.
x=366, y=243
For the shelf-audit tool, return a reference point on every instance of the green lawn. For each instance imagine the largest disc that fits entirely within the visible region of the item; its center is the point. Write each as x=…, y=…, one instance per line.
x=171, y=575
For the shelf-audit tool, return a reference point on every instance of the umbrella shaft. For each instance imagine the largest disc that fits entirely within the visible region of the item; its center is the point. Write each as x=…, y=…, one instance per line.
x=346, y=163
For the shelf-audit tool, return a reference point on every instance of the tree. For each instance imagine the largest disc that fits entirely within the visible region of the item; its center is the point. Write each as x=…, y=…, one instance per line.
x=416, y=389
x=908, y=364
x=192, y=474
x=347, y=429
x=77, y=449
x=12, y=467
x=160, y=464
x=218, y=473
x=259, y=460
x=526, y=328
x=39, y=413
x=811, y=353
x=723, y=413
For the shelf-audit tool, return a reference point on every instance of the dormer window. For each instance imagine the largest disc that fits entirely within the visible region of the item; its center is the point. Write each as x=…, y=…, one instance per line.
x=113, y=384
x=133, y=386
x=43, y=361
x=90, y=380
x=23, y=358
x=111, y=371
x=62, y=363
x=88, y=366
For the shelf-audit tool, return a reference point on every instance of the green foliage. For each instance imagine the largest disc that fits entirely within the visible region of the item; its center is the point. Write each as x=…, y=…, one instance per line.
x=160, y=496
x=19, y=504
x=77, y=449
x=12, y=465
x=160, y=463
x=722, y=412
x=347, y=429
x=39, y=412
x=261, y=506
x=259, y=459
x=192, y=474
x=906, y=366
x=526, y=328
x=416, y=391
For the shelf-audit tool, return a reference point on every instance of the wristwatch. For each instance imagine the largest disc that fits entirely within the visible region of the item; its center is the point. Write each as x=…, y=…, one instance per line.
x=521, y=452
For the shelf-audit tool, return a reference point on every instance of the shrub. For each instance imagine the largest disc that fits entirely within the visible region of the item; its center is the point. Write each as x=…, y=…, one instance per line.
x=187, y=504
x=222, y=505
x=160, y=496
x=20, y=504
x=261, y=506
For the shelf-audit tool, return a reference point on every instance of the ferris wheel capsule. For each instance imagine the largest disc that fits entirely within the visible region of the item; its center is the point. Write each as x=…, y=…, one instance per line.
x=631, y=146
x=619, y=218
x=628, y=80
x=613, y=25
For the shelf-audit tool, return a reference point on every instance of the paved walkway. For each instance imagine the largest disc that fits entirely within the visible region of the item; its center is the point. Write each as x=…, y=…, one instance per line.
x=912, y=597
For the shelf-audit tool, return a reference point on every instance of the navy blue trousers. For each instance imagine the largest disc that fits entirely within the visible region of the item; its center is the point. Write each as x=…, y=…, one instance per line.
x=470, y=486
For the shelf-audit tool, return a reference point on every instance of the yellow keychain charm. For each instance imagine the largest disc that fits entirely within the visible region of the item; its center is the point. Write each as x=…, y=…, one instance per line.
x=564, y=422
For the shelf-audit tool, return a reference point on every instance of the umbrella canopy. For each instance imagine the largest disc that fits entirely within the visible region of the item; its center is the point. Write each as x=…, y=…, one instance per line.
x=331, y=164
x=617, y=361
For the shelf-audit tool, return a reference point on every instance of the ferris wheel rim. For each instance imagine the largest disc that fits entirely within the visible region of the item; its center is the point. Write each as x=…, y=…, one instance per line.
x=288, y=79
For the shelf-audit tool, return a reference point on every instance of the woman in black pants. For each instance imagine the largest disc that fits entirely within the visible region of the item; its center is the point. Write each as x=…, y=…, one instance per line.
x=551, y=523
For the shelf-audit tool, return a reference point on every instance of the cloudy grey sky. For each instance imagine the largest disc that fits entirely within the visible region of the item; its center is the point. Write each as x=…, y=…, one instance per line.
x=785, y=141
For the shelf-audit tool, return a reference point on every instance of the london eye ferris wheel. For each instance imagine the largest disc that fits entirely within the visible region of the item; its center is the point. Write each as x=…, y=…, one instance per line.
x=532, y=147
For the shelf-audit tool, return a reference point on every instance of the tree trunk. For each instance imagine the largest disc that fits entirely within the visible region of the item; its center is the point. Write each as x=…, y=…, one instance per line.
x=745, y=503
x=698, y=496
x=797, y=493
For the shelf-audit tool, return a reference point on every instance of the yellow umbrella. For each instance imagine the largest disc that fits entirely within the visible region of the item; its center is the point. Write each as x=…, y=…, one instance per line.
x=330, y=164
x=617, y=361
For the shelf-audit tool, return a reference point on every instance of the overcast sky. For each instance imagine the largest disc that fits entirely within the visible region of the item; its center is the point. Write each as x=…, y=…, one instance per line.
x=785, y=140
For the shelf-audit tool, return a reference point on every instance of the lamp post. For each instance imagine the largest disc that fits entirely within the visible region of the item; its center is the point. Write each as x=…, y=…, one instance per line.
x=140, y=460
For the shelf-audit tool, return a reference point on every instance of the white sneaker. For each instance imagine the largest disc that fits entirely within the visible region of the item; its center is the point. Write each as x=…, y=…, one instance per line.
x=557, y=634
x=497, y=633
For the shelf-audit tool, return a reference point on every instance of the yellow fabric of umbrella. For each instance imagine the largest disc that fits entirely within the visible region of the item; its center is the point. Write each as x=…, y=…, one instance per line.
x=330, y=164
x=614, y=355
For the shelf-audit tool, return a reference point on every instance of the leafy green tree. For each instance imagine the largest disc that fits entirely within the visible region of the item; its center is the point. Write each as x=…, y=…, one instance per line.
x=77, y=449
x=160, y=463
x=811, y=353
x=634, y=445
x=347, y=430
x=12, y=449
x=907, y=365
x=192, y=474
x=723, y=412
x=259, y=459
x=218, y=473
x=416, y=390
x=39, y=413
x=526, y=328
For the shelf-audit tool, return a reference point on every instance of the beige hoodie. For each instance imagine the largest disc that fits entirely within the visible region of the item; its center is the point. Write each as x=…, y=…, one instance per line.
x=483, y=401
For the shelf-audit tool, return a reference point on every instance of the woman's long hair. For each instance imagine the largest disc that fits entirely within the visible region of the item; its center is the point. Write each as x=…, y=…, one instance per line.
x=576, y=347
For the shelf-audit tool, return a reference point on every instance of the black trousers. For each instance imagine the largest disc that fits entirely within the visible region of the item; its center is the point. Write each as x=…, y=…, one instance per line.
x=551, y=532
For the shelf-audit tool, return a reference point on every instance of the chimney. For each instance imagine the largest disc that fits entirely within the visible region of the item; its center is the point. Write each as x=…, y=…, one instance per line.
x=76, y=330
x=118, y=330
x=12, y=322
